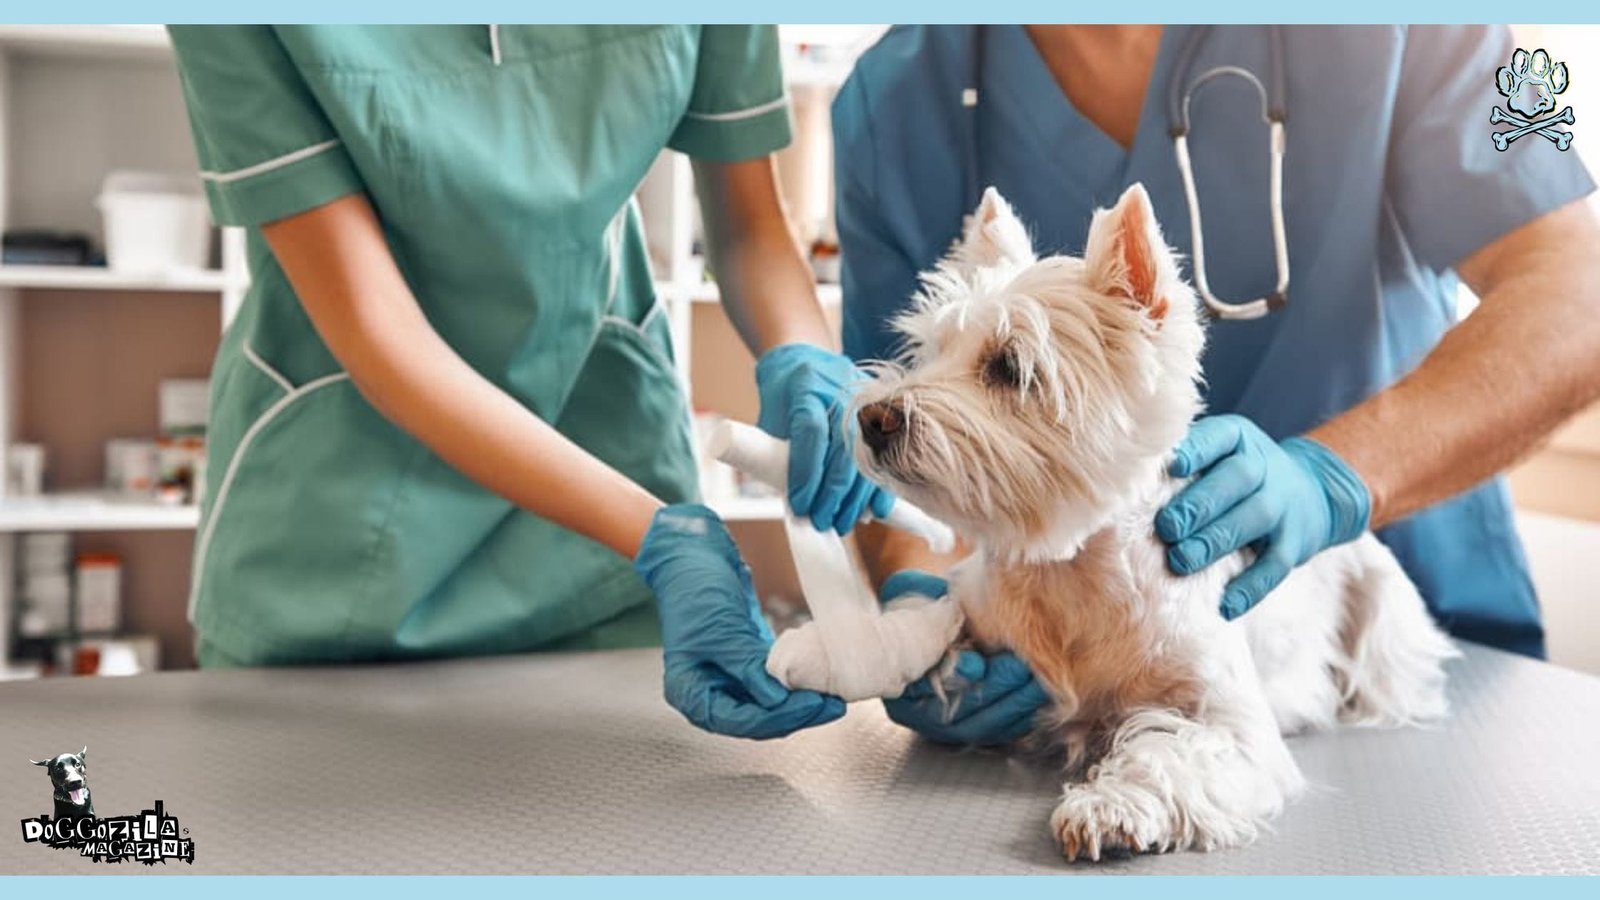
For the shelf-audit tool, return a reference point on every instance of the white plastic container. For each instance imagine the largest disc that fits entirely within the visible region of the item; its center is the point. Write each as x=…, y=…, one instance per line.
x=132, y=467
x=154, y=223
x=183, y=405
x=99, y=583
x=24, y=470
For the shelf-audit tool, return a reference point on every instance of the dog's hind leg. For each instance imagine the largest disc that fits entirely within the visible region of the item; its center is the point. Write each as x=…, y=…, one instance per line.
x=1391, y=672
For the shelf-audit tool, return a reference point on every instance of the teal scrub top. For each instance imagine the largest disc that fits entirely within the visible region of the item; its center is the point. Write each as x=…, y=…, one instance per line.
x=501, y=161
x=1391, y=177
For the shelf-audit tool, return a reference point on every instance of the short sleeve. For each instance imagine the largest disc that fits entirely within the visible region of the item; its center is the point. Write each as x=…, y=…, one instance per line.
x=266, y=148
x=1452, y=190
x=738, y=109
x=877, y=276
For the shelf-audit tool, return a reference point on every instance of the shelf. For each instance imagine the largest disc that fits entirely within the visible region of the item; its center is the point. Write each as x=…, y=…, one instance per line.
x=97, y=512
x=11, y=671
x=706, y=292
x=98, y=278
x=749, y=509
x=148, y=41
x=93, y=512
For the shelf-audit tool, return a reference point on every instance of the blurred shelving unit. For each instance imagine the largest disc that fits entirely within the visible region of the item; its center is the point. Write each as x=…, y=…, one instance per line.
x=77, y=102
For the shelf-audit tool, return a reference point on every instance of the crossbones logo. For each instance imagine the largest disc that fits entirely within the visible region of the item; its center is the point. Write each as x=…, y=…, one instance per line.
x=1530, y=85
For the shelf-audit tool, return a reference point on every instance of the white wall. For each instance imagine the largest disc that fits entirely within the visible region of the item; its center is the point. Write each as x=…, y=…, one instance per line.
x=1562, y=554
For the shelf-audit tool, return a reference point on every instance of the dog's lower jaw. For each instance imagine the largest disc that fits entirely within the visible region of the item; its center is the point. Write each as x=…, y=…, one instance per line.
x=1073, y=525
x=66, y=809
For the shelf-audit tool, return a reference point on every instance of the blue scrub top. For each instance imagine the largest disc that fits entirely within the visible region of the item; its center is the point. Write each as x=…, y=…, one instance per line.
x=1390, y=180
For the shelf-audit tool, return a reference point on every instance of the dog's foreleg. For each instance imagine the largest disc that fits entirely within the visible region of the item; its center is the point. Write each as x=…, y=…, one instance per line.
x=1170, y=781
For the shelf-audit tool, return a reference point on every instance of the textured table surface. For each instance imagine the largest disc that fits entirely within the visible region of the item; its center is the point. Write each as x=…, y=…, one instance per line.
x=572, y=764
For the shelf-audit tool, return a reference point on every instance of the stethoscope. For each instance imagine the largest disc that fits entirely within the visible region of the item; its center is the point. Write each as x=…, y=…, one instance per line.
x=1180, y=92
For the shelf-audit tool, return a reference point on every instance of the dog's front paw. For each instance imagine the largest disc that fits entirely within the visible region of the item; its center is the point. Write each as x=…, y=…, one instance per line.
x=1091, y=823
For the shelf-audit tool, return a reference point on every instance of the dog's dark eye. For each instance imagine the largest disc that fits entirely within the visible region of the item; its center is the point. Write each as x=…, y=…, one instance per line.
x=1001, y=369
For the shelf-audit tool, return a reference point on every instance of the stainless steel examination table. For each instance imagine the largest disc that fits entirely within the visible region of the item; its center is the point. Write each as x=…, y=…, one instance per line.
x=573, y=764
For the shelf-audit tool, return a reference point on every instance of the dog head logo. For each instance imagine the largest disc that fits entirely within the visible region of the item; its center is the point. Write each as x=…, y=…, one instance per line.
x=1035, y=394
x=69, y=777
x=149, y=836
x=1530, y=85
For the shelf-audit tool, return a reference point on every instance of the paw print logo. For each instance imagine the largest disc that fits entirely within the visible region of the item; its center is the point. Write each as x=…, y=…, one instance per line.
x=1530, y=85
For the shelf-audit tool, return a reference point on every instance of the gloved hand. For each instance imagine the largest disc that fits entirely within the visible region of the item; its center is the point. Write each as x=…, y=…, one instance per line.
x=804, y=394
x=1289, y=500
x=713, y=635
x=996, y=698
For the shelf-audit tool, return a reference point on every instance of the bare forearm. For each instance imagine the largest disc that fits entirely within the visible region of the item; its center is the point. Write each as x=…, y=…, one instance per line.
x=361, y=306
x=767, y=287
x=429, y=391
x=1496, y=386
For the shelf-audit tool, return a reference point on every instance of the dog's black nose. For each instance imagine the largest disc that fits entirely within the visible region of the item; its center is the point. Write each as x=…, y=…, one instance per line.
x=881, y=425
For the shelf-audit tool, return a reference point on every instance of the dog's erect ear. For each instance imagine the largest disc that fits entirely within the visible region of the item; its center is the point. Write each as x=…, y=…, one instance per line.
x=993, y=235
x=1126, y=255
x=40, y=762
x=83, y=755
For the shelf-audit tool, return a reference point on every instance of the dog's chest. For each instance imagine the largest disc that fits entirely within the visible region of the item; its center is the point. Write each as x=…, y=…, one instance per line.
x=1103, y=631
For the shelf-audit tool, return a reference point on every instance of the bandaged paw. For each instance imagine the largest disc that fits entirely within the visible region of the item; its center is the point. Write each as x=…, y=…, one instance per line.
x=863, y=654
x=852, y=648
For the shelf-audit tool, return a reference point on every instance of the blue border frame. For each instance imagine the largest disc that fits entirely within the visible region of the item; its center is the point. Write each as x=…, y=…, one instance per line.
x=743, y=888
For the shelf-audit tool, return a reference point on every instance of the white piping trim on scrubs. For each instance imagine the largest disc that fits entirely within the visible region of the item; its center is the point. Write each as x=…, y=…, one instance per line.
x=270, y=372
x=739, y=114
x=638, y=328
x=494, y=43
x=650, y=316
x=203, y=547
x=613, y=240
x=274, y=163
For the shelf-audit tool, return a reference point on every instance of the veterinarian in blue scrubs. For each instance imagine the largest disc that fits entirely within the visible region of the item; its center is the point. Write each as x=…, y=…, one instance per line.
x=1394, y=190
x=446, y=420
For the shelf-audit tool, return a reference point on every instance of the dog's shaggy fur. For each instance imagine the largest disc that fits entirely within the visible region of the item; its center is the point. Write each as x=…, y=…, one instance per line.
x=1035, y=409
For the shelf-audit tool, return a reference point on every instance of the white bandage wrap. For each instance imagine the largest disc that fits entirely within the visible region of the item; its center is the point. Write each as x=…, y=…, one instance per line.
x=851, y=648
x=766, y=459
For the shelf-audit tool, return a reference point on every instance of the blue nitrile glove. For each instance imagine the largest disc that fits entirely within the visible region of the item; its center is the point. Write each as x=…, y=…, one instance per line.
x=805, y=392
x=994, y=702
x=714, y=638
x=1288, y=500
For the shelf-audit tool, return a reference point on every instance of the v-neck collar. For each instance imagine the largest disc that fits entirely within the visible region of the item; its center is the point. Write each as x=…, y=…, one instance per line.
x=1022, y=82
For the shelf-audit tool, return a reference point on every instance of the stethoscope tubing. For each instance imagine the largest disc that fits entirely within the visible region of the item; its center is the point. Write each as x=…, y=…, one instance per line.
x=1181, y=91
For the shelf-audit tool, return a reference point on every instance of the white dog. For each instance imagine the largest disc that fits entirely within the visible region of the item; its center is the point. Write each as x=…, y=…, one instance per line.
x=1035, y=410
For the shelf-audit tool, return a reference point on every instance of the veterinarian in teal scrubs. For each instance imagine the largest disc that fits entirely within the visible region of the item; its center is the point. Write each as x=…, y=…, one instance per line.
x=446, y=420
x=1393, y=192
